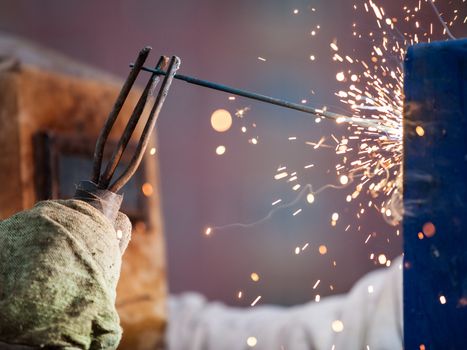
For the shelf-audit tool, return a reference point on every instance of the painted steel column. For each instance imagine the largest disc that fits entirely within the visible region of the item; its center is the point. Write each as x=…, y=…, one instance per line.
x=435, y=196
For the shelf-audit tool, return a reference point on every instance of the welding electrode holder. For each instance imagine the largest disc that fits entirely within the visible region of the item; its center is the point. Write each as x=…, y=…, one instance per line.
x=100, y=191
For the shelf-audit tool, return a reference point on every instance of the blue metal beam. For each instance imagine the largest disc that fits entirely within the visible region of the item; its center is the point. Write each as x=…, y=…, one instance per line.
x=435, y=196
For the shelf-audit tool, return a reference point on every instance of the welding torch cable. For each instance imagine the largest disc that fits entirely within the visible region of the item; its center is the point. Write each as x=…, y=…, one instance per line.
x=340, y=118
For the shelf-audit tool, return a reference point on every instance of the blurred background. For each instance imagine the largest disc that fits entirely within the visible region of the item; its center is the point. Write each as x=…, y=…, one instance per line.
x=263, y=46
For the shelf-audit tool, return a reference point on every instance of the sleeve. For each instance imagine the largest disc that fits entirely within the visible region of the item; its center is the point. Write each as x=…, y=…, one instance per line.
x=59, y=266
x=370, y=319
x=196, y=324
x=372, y=312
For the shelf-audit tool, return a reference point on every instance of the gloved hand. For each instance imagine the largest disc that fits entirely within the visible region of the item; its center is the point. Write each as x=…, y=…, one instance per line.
x=59, y=267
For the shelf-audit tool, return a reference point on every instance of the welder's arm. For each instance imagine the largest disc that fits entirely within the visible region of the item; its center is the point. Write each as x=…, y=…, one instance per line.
x=59, y=266
x=368, y=318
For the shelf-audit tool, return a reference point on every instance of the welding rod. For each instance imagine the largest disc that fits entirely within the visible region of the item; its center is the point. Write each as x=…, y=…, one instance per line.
x=389, y=130
x=248, y=94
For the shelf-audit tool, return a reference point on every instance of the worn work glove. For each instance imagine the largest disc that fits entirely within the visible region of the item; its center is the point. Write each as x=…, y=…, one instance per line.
x=59, y=267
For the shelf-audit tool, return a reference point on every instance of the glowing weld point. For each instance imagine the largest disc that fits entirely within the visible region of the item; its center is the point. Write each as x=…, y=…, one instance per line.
x=376, y=10
x=297, y=250
x=382, y=259
x=240, y=113
x=256, y=300
x=280, y=175
x=322, y=249
x=420, y=131
x=316, y=284
x=152, y=151
x=221, y=120
x=276, y=202
x=251, y=342
x=320, y=142
x=340, y=76
x=147, y=189
x=262, y=59
x=297, y=212
x=220, y=150
x=334, y=46
x=312, y=57
x=442, y=299
x=296, y=187
x=310, y=198
x=429, y=229
x=344, y=179
x=208, y=231
x=337, y=326
x=254, y=277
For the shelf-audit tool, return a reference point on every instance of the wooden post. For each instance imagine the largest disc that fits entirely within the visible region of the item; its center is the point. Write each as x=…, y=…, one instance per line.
x=435, y=196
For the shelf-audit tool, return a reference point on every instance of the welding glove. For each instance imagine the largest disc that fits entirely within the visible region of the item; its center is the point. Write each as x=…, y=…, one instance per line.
x=59, y=267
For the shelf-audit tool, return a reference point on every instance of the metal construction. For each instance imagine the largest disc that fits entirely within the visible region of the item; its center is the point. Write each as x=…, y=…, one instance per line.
x=435, y=196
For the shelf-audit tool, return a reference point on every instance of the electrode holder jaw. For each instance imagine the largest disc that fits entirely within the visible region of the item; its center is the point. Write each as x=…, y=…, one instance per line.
x=101, y=190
